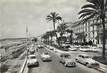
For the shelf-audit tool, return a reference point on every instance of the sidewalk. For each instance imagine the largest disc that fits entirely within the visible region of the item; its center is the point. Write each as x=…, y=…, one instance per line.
x=103, y=67
x=15, y=64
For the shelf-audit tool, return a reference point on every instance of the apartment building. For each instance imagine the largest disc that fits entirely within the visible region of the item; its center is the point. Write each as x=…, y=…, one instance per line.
x=91, y=31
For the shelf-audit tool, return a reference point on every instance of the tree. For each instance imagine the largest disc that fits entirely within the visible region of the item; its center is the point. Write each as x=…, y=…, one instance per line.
x=53, y=16
x=95, y=9
x=71, y=35
x=46, y=38
x=61, y=29
x=51, y=34
x=34, y=39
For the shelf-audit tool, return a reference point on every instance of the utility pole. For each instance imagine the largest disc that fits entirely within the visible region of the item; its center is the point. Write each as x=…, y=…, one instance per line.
x=27, y=40
x=27, y=32
x=0, y=63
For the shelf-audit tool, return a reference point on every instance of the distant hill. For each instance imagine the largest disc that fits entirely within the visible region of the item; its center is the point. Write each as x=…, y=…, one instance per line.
x=12, y=39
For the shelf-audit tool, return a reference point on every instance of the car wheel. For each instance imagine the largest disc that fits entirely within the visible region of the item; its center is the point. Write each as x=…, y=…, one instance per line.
x=63, y=62
x=38, y=65
x=76, y=60
x=28, y=66
x=86, y=64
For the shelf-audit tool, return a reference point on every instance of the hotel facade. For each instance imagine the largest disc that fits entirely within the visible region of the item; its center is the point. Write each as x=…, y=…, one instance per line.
x=91, y=31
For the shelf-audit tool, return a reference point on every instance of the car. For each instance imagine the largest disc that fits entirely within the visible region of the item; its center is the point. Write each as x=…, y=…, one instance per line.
x=65, y=59
x=32, y=61
x=69, y=63
x=46, y=57
x=95, y=49
x=40, y=46
x=66, y=55
x=52, y=48
x=85, y=48
x=31, y=50
x=73, y=49
x=87, y=60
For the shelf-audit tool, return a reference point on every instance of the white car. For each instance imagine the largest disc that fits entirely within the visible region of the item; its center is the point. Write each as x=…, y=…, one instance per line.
x=31, y=50
x=84, y=48
x=40, y=46
x=95, y=49
x=73, y=49
x=52, y=48
x=87, y=60
x=69, y=63
x=46, y=57
x=32, y=61
x=65, y=59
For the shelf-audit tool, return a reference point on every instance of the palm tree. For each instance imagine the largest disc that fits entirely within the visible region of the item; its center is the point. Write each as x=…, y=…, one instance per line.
x=53, y=16
x=61, y=28
x=95, y=9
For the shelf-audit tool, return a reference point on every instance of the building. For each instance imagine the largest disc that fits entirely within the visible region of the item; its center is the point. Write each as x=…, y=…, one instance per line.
x=90, y=31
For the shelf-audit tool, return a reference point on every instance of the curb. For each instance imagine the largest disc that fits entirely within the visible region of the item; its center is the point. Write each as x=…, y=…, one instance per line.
x=23, y=66
x=103, y=68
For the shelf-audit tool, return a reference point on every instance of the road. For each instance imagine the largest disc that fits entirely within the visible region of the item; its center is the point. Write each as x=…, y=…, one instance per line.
x=56, y=67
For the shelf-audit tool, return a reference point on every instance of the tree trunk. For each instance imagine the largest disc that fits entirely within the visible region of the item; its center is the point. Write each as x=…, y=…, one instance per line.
x=71, y=38
x=54, y=25
x=104, y=39
x=51, y=40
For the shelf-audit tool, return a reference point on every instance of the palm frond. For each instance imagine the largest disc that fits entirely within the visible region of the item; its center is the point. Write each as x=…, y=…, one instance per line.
x=89, y=17
x=95, y=2
x=85, y=14
x=58, y=18
x=85, y=10
x=49, y=17
x=89, y=6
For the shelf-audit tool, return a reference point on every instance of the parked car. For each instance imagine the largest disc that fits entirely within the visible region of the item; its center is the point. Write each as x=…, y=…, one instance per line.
x=66, y=55
x=40, y=46
x=85, y=48
x=52, y=48
x=73, y=49
x=87, y=60
x=65, y=59
x=46, y=57
x=32, y=61
x=95, y=49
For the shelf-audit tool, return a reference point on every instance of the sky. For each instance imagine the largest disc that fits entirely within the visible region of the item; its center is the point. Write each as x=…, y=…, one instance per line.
x=15, y=15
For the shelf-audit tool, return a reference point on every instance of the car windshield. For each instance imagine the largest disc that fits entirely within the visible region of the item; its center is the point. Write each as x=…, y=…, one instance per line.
x=86, y=57
x=76, y=47
x=85, y=47
x=46, y=53
x=66, y=55
x=32, y=57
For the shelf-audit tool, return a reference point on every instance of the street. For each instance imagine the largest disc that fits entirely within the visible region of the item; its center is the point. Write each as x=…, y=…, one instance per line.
x=55, y=67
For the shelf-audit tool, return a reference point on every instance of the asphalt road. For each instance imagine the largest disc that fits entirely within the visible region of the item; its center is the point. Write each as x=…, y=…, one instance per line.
x=56, y=67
